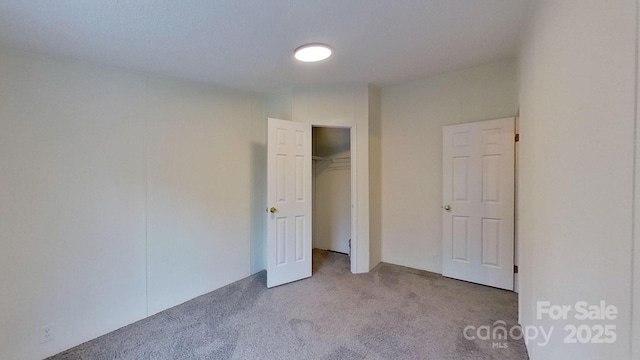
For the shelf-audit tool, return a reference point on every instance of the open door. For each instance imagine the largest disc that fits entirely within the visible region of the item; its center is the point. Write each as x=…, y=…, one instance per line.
x=289, y=199
x=478, y=202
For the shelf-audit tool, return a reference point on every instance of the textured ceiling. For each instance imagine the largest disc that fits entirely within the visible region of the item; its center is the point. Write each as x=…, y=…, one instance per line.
x=248, y=44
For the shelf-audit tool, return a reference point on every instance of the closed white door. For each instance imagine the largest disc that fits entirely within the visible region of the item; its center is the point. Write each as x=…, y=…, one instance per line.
x=478, y=202
x=289, y=199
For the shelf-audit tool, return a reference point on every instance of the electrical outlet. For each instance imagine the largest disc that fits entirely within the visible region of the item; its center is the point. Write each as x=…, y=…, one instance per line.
x=47, y=334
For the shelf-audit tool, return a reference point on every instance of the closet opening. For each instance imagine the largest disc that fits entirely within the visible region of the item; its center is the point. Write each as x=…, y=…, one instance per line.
x=332, y=196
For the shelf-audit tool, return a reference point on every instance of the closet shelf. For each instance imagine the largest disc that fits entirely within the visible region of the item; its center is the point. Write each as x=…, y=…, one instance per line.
x=336, y=159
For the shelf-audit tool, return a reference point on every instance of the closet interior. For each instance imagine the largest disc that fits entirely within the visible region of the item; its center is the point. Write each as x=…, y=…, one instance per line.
x=332, y=189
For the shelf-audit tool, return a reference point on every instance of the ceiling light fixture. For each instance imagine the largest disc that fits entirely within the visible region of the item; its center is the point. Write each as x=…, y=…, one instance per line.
x=312, y=52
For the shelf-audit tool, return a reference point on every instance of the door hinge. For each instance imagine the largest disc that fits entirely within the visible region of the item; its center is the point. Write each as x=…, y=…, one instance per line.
x=517, y=137
x=515, y=269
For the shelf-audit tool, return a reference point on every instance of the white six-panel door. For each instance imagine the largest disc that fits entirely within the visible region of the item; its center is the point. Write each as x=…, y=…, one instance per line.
x=478, y=202
x=289, y=200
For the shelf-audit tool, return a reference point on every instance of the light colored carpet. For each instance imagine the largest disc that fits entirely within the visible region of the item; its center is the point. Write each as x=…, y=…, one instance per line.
x=392, y=312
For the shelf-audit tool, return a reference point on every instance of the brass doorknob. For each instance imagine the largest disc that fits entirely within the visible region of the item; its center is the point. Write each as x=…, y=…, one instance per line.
x=447, y=207
x=272, y=210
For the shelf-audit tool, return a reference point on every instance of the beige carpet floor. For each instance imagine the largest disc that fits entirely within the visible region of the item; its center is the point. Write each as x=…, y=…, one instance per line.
x=392, y=312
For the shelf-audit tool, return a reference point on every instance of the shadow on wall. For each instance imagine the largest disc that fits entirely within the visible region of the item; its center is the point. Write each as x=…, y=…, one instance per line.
x=258, y=204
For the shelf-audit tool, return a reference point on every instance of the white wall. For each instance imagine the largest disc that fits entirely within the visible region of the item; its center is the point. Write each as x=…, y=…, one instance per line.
x=199, y=181
x=635, y=306
x=413, y=115
x=335, y=106
x=576, y=166
x=375, y=177
x=84, y=152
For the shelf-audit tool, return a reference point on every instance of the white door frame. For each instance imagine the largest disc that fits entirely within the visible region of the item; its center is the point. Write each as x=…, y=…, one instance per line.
x=353, y=142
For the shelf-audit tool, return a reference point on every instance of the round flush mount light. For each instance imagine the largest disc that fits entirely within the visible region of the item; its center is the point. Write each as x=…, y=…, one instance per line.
x=312, y=52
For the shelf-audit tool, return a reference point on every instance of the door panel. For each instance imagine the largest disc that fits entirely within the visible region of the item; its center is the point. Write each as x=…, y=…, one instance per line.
x=460, y=238
x=289, y=199
x=460, y=178
x=478, y=191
